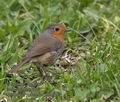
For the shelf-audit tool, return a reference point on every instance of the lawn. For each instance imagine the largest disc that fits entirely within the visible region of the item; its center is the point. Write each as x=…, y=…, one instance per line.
x=89, y=70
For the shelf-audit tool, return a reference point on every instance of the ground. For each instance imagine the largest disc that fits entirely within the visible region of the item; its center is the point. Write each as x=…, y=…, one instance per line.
x=89, y=70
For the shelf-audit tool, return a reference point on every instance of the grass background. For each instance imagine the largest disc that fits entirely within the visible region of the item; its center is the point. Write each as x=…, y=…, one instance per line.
x=90, y=69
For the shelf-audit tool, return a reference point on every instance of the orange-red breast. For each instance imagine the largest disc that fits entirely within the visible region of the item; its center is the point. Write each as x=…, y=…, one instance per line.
x=46, y=48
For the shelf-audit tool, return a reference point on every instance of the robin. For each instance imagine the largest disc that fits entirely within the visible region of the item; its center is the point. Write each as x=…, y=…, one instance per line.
x=46, y=48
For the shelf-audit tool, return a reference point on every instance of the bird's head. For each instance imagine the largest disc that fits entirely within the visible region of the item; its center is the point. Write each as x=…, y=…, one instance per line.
x=57, y=30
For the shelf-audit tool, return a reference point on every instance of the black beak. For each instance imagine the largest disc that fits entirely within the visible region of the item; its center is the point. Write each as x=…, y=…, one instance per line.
x=68, y=30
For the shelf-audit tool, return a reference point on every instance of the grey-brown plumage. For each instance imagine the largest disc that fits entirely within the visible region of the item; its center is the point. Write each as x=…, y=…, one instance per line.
x=46, y=48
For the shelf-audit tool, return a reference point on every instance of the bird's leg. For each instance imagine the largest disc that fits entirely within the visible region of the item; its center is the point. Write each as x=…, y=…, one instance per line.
x=40, y=69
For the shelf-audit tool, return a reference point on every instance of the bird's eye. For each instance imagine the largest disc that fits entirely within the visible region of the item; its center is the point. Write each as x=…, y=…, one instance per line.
x=56, y=29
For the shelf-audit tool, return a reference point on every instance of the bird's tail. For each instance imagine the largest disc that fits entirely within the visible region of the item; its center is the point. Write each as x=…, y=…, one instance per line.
x=18, y=66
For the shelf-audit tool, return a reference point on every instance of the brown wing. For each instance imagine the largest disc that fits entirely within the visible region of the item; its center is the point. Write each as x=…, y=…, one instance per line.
x=42, y=45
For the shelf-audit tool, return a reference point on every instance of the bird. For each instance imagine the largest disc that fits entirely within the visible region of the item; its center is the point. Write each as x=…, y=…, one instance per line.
x=46, y=48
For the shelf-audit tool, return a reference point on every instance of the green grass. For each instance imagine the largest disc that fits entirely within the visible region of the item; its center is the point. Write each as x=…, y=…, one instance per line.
x=93, y=73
